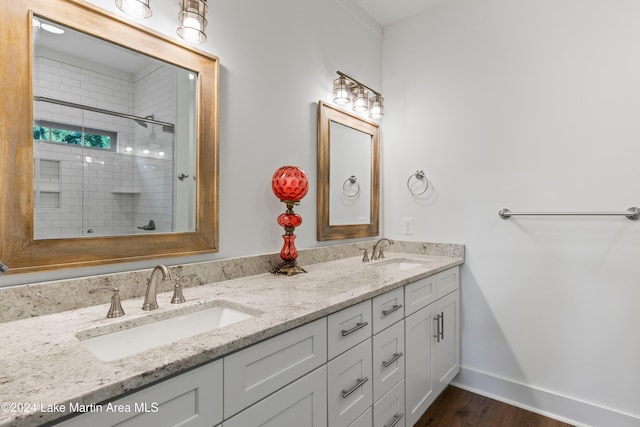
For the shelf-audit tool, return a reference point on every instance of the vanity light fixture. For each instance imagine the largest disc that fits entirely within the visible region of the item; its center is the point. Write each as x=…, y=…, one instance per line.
x=347, y=89
x=135, y=8
x=341, y=91
x=360, y=101
x=192, y=20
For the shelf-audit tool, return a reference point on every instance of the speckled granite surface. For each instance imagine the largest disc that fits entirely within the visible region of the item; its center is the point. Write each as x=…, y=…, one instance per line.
x=44, y=362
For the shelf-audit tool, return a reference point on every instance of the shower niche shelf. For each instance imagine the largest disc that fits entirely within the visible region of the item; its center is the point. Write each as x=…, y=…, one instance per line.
x=47, y=184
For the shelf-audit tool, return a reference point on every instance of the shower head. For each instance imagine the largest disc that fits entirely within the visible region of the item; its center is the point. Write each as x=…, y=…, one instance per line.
x=143, y=123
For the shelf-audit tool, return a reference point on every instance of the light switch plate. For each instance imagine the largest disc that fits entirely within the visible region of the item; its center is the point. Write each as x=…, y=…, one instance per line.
x=407, y=226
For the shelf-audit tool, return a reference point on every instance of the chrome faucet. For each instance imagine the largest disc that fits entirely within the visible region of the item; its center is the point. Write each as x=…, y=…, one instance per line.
x=150, y=301
x=379, y=254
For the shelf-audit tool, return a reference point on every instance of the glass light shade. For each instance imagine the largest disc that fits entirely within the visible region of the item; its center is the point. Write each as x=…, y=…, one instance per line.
x=360, y=100
x=136, y=8
x=290, y=183
x=341, y=92
x=192, y=20
x=376, y=107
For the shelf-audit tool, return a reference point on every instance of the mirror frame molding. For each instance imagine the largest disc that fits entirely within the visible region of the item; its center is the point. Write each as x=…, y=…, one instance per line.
x=18, y=248
x=328, y=113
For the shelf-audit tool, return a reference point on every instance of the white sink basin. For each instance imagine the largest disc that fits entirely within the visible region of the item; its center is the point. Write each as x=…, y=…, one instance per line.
x=116, y=345
x=401, y=264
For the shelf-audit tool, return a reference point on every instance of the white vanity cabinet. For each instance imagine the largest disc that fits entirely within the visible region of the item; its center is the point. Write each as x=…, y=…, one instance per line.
x=432, y=341
x=378, y=363
x=192, y=399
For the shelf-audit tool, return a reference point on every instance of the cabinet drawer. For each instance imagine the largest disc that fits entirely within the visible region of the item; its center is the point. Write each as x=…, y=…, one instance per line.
x=388, y=359
x=348, y=327
x=389, y=411
x=302, y=403
x=259, y=370
x=364, y=420
x=349, y=385
x=419, y=294
x=387, y=309
x=448, y=281
x=192, y=399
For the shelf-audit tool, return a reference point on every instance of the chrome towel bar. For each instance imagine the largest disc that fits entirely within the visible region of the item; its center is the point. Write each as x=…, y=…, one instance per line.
x=632, y=213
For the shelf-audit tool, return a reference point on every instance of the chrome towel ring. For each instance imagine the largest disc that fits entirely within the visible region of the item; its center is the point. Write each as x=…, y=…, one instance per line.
x=351, y=187
x=419, y=176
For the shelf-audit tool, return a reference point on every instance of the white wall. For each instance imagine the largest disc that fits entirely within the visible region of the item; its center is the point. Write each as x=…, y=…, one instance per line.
x=533, y=106
x=278, y=58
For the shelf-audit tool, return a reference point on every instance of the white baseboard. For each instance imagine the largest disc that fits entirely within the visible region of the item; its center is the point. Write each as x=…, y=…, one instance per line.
x=547, y=403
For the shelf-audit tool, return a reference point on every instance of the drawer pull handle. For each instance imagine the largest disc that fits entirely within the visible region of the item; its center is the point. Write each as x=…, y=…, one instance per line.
x=395, y=357
x=359, y=325
x=360, y=383
x=396, y=420
x=392, y=309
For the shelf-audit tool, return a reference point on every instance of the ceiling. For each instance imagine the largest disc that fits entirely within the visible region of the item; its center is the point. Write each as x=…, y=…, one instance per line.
x=384, y=12
x=387, y=12
x=92, y=50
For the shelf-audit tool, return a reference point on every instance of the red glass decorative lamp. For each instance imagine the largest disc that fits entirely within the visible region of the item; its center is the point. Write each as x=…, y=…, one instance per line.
x=290, y=185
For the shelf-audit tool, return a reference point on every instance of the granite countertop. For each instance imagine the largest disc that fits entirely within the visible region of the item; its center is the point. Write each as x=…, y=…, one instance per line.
x=45, y=366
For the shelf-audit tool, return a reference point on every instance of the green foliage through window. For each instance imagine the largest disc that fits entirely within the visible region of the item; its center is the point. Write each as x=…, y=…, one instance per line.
x=67, y=134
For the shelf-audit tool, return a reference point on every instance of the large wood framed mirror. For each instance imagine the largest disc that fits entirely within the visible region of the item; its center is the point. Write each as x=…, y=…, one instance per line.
x=108, y=140
x=348, y=174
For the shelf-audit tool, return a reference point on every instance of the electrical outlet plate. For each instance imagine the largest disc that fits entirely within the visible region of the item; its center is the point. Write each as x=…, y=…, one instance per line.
x=407, y=226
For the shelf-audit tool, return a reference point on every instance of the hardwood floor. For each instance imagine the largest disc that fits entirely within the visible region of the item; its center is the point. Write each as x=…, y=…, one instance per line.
x=459, y=408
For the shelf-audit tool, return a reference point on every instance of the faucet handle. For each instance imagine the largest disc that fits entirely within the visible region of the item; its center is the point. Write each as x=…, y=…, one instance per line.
x=115, y=310
x=365, y=256
x=178, y=296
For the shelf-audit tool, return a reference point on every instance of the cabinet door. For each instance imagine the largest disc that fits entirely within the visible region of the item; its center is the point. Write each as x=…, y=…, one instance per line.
x=387, y=309
x=447, y=281
x=302, y=404
x=447, y=347
x=419, y=294
x=348, y=327
x=257, y=371
x=388, y=359
x=389, y=411
x=420, y=329
x=364, y=420
x=350, y=385
x=192, y=399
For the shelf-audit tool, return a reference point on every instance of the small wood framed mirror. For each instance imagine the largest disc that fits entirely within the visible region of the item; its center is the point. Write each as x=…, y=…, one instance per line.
x=348, y=174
